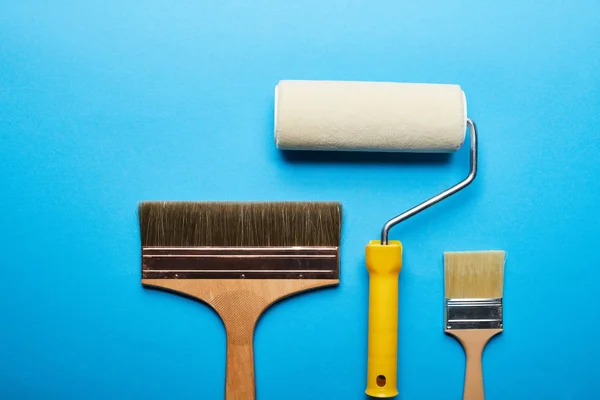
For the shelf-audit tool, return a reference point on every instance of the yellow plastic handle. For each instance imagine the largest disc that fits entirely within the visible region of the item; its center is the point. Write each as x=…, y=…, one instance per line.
x=384, y=264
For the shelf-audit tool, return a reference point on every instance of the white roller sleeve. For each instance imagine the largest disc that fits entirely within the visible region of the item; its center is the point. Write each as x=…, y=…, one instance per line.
x=369, y=116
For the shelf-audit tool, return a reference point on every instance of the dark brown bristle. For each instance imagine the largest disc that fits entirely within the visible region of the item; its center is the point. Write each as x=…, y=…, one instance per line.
x=232, y=224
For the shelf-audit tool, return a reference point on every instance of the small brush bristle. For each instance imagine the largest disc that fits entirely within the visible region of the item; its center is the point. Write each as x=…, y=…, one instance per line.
x=478, y=274
x=231, y=224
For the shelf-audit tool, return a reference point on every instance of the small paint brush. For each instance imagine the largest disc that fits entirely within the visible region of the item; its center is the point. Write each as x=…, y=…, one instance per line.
x=473, y=307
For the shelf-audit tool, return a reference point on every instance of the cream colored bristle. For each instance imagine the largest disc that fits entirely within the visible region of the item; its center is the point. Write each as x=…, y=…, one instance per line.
x=478, y=274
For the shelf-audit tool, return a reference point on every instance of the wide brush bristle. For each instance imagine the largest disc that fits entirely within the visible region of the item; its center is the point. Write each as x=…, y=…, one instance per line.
x=231, y=224
x=478, y=274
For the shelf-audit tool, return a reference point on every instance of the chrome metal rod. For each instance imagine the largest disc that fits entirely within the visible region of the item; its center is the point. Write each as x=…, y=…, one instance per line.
x=446, y=193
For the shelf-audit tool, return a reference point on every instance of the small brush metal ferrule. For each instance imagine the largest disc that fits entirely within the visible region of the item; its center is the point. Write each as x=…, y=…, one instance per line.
x=473, y=313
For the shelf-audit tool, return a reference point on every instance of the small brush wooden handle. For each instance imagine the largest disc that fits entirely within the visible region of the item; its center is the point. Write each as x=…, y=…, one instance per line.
x=384, y=263
x=473, y=342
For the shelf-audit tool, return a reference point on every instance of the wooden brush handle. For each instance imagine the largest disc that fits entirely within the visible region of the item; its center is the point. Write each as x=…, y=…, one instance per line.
x=473, y=341
x=239, y=383
x=239, y=303
x=240, y=310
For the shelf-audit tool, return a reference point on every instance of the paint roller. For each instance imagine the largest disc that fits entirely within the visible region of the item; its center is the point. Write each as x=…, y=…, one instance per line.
x=385, y=117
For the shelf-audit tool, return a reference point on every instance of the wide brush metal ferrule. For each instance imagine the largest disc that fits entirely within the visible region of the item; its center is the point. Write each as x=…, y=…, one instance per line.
x=473, y=313
x=240, y=262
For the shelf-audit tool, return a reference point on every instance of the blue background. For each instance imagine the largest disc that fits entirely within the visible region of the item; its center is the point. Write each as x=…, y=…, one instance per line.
x=104, y=104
